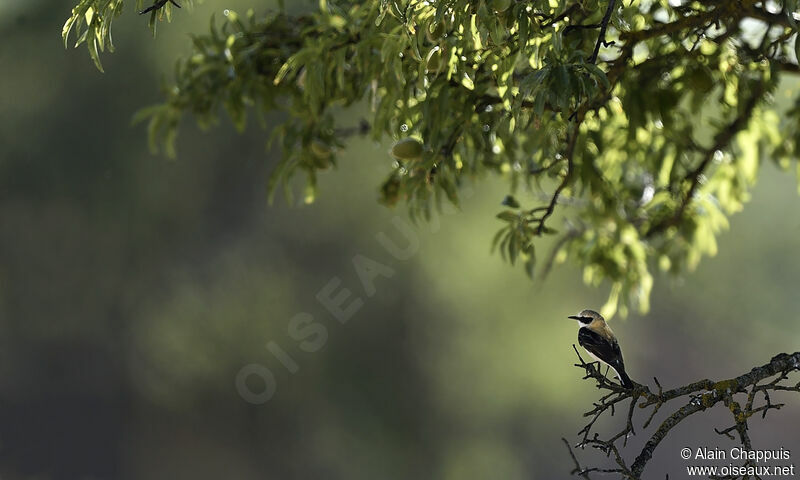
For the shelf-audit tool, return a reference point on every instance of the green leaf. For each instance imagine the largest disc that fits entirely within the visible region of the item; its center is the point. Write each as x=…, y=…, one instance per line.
x=530, y=263
x=796, y=45
x=598, y=73
x=67, y=28
x=92, y=46
x=508, y=216
x=513, y=248
x=510, y=201
x=497, y=237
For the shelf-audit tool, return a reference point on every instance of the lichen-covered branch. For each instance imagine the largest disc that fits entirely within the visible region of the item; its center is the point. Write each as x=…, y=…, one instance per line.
x=692, y=398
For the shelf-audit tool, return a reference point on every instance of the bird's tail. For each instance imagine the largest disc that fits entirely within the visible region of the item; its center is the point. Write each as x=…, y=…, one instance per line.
x=624, y=379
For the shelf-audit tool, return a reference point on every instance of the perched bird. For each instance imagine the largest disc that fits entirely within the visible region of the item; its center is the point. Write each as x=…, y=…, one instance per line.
x=600, y=342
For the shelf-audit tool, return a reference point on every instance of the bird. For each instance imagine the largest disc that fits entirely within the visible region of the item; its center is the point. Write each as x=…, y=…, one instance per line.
x=599, y=341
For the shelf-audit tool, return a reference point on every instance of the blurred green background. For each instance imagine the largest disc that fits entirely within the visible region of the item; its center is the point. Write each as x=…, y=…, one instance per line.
x=133, y=289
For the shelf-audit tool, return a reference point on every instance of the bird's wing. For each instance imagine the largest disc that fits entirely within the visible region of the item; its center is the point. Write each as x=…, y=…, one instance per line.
x=601, y=347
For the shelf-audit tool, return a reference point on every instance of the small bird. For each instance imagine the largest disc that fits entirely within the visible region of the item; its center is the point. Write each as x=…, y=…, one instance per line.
x=600, y=342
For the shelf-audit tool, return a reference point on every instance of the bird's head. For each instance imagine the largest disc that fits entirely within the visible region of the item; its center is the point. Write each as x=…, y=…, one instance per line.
x=586, y=317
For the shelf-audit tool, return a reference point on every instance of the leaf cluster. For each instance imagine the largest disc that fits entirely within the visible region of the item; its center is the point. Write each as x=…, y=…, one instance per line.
x=641, y=124
x=90, y=23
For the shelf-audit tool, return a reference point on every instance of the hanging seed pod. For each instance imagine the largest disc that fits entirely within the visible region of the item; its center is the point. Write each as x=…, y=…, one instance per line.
x=407, y=149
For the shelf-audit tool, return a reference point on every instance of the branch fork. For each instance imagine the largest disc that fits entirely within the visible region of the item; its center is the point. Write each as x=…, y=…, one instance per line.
x=698, y=396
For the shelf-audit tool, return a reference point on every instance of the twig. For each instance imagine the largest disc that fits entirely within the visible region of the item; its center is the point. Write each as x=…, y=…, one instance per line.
x=157, y=5
x=601, y=38
x=566, y=13
x=722, y=139
x=569, y=152
x=362, y=128
x=700, y=396
x=577, y=470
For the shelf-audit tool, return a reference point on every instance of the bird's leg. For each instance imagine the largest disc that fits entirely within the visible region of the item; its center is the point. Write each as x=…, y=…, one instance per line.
x=605, y=375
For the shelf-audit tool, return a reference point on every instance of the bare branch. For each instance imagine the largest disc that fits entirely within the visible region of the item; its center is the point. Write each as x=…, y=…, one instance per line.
x=601, y=38
x=157, y=5
x=698, y=397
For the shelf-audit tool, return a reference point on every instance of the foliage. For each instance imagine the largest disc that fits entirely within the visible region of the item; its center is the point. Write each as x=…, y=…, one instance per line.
x=647, y=122
x=91, y=23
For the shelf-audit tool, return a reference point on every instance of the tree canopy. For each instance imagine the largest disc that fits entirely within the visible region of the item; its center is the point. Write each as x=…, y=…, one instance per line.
x=642, y=124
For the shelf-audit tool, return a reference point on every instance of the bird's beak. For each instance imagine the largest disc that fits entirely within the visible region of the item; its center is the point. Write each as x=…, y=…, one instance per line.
x=574, y=317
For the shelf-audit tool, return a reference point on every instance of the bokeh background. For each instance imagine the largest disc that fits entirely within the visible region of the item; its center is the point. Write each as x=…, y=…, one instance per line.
x=134, y=288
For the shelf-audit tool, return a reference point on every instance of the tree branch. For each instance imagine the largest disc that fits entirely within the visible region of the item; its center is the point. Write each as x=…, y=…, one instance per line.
x=723, y=11
x=157, y=5
x=569, y=153
x=721, y=140
x=601, y=38
x=700, y=396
